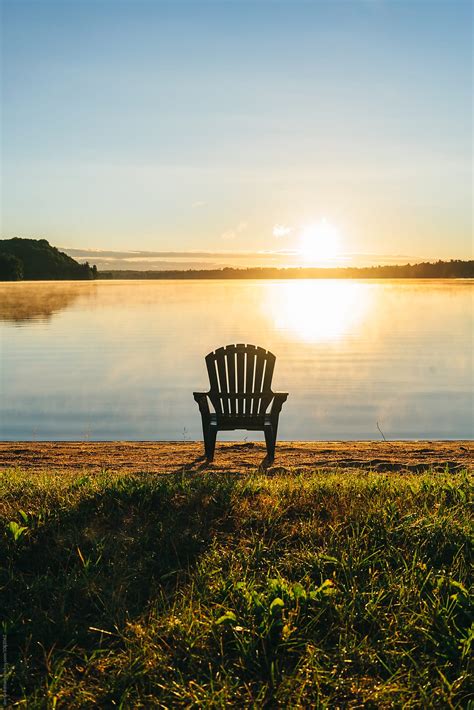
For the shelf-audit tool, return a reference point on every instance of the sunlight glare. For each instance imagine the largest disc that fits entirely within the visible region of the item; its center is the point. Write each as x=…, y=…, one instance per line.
x=317, y=311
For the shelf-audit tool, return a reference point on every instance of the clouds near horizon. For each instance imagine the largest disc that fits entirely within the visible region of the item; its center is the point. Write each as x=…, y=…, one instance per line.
x=164, y=260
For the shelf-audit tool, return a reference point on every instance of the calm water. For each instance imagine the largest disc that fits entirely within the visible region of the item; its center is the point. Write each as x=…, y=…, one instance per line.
x=119, y=360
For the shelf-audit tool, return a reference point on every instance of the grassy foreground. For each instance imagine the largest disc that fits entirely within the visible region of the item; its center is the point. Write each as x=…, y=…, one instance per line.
x=338, y=590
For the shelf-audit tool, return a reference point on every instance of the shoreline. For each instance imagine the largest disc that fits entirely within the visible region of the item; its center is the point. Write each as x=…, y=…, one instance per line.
x=167, y=457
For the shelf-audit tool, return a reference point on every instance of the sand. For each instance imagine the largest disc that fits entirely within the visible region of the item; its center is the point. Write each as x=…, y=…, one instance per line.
x=238, y=457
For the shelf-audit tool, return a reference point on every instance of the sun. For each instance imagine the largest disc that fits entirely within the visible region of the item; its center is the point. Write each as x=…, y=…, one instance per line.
x=319, y=242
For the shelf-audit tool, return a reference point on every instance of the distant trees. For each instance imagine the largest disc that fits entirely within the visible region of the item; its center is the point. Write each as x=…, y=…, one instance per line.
x=36, y=259
x=454, y=269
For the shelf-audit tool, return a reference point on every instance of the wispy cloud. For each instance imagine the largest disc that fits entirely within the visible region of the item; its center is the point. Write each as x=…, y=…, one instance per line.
x=198, y=203
x=281, y=230
x=233, y=233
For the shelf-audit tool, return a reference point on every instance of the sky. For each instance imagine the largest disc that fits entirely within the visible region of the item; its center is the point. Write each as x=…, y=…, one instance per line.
x=239, y=132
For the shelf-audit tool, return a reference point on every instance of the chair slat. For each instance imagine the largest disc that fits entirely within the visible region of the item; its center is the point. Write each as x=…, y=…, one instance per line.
x=221, y=369
x=240, y=357
x=267, y=382
x=230, y=357
x=249, y=378
x=259, y=370
x=213, y=381
x=264, y=402
x=270, y=366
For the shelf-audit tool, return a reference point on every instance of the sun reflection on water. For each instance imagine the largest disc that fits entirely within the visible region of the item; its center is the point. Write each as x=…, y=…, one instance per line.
x=317, y=311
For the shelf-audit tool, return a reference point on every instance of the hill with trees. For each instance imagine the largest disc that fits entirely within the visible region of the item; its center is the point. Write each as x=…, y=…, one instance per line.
x=36, y=259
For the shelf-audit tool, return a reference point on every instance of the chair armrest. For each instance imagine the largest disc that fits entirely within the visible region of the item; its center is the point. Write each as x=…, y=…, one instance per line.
x=279, y=398
x=201, y=399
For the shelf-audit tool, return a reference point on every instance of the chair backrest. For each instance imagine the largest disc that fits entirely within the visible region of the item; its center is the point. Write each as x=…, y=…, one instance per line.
x=240, y=378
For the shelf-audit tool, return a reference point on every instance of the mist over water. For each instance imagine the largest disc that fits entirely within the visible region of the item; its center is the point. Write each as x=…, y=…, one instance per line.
x=120, y=359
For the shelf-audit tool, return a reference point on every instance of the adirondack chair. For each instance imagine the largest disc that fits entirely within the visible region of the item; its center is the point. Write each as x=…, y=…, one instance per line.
x=240, y=378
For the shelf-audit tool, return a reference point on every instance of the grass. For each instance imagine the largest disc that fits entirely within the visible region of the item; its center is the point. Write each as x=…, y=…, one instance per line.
x=323, y=590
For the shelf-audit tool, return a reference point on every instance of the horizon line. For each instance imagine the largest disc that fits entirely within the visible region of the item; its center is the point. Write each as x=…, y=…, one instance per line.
x=144, y=260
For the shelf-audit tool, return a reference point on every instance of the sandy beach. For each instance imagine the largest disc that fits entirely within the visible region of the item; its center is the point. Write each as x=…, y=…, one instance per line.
x=238, y=457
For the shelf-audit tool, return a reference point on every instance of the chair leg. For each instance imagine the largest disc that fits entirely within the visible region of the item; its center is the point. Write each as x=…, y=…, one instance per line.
x=275, y=426
x=210, y=434
x=270, y=440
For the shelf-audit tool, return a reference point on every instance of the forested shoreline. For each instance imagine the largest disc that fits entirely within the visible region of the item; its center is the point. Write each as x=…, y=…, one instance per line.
x=36, y=259
x=454, y=269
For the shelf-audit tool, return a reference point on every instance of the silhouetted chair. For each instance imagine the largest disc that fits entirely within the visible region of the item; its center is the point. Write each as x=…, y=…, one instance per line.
x=240, y=378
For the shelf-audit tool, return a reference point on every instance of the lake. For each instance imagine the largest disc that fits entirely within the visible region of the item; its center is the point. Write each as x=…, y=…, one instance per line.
x=109, y=360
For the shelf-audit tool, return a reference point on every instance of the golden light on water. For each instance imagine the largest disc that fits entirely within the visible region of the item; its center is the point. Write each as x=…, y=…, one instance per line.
x=319, y=243
x=318, y=311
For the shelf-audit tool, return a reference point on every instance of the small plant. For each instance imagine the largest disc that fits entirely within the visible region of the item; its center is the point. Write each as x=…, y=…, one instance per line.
x=16, y=530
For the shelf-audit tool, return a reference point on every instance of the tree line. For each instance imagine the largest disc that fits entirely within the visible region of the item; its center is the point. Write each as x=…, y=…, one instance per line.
x=454, y=269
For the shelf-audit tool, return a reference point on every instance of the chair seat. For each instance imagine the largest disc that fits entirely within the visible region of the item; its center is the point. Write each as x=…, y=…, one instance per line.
x=240, y=421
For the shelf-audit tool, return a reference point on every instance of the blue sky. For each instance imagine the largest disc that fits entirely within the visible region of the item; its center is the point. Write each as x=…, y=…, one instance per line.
x=200, y=126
